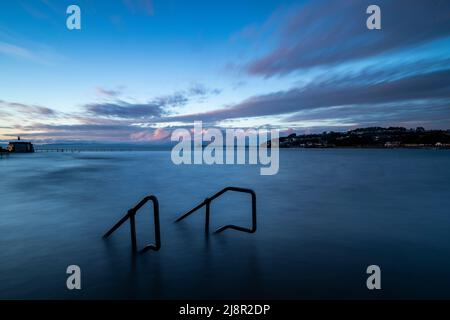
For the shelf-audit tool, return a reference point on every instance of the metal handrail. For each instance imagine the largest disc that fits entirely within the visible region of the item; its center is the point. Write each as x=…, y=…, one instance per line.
x=131, y=215
x=207, y=203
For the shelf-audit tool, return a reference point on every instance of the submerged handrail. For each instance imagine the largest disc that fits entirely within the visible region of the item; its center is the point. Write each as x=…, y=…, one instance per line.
x=207, y=203
x=131, y=215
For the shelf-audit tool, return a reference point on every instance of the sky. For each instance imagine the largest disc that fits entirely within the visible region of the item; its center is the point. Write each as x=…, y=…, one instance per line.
x=139, y=69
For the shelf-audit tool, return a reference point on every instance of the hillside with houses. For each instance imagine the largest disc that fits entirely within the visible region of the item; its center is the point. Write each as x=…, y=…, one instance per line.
x=373, y=137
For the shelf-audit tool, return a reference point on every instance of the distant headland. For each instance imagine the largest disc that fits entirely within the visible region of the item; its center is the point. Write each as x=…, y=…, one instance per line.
x=372, y=137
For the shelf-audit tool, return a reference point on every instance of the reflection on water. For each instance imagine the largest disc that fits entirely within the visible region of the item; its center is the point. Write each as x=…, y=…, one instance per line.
x=322, y=220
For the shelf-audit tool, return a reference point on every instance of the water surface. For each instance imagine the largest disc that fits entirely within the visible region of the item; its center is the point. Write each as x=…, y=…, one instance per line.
x=322, y=220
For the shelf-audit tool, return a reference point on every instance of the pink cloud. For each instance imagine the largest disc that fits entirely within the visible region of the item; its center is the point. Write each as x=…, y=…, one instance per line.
x=157, y=135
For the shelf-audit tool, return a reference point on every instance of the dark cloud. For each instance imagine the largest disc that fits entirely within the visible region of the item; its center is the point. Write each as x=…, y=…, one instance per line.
x=79, y=127
x=20, y=109
x=340, y=92
x=79, y=132
x=202, y=90
x=110, y=93
x=154, y=108
x=332, y=32
x=431, y=113
x=101, y=132
x=177, y=99
x=127, y=110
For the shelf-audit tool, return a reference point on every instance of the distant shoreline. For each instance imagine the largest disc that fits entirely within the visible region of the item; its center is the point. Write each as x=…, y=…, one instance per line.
x=371, y=147
x=362, y=138
x=373, y=137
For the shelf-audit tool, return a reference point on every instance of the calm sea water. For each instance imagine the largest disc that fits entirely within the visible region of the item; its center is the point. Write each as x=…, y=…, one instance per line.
x=322, y=220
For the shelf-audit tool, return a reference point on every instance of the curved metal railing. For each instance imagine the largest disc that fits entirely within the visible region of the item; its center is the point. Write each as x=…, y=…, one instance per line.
x=207, y=204
x=131, y=215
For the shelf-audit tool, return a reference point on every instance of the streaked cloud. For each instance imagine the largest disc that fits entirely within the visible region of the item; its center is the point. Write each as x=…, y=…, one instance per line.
x=152, y=109
x=139, y=6
x=108, y=93
x=126, y=110
x=116, y=132
x=202, y=90
x=329, y=93
x=326, y=33
x=157, y=134
x=21, y=110
x=16, y=51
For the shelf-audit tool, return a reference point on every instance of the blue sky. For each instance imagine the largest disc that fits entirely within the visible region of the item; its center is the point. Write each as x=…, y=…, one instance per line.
x=140, y=68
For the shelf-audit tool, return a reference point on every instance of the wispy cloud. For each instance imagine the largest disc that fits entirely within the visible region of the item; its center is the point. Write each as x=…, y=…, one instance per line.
x=157, y=134
x=29, y=111
x=16, y=51
x=36, y=9
x=152, y=109
x=326, y=33
x=127, y=110
x=108, y=93
x=111, y=120
x=432, y=113
x=202, y=90
x=31, y=51
x=140, y=6
x=49, y=133
x=14, y=115
x=340, y=92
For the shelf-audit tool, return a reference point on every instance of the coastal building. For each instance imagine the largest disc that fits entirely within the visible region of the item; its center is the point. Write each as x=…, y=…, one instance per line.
x=392, y=144
x=440, y=145
x=20, y=146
